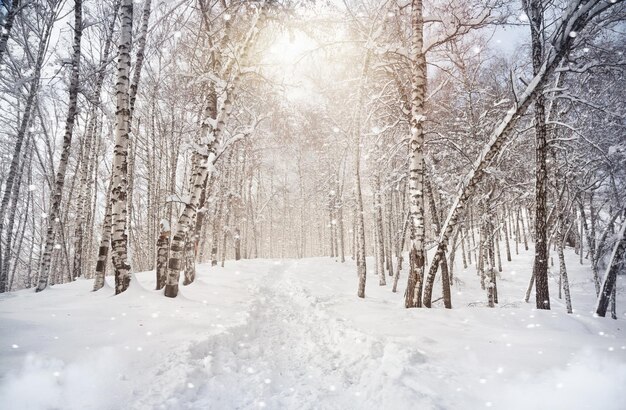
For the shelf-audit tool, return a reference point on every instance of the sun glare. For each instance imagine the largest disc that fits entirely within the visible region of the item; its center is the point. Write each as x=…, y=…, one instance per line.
x=290, y=48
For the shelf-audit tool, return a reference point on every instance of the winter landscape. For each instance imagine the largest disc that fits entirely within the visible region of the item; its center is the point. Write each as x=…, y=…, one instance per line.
x=312, y=204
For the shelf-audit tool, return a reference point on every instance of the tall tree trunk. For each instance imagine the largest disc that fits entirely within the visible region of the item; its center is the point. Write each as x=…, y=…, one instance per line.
x=445, y=275
x=163, y=247
x=417, y=257
x=402, y=239
x=520, y=215
x=132, y=96
x=119, y=177
x=534, y=10
x=105, y=241
x=379, y=232
x=616, y=262
x=505, y=226
x=560, y=243
x=591, y=238
x=212, y=113
x=452, y=255
x=342, y=241
x=359, y=221
x=57, y=194
x=463, y=238
x=390, y=223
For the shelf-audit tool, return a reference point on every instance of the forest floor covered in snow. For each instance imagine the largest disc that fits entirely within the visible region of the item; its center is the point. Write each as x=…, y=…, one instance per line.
x=291, y=334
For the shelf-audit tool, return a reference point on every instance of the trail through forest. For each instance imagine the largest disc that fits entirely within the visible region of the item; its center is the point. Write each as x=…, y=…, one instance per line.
x=289, y=351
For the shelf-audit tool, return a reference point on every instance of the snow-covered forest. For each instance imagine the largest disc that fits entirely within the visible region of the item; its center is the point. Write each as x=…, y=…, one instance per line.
x=303, y=204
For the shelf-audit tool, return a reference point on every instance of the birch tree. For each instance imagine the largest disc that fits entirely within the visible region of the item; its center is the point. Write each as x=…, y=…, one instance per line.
x=417, y=254
x=119, y=176
x=534, y=9
x=59, y=181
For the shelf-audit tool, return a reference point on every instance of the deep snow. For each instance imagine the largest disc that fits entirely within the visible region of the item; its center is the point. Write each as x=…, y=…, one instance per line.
x=291, y=334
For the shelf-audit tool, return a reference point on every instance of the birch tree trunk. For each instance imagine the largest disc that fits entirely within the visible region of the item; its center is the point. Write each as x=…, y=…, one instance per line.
x=445, y=274
x=59, y=182
x=132, y=96
x=534, y=10
x=359, y=222
x=380, y=235
x=163, y=247
x=342, y=242
x=105, y=241
x=562, y=268
x=119, y=177
x=396, y=276
x=616, y=263
x=212, y=113
x=505, y=226
x=413, y=295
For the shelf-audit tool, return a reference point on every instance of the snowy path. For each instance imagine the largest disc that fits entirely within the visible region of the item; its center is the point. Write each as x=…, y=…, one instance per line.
x=290, y=354
x=290, y=334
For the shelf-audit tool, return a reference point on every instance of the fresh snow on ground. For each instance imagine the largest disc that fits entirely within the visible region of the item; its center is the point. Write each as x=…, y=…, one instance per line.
x=291, y=334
